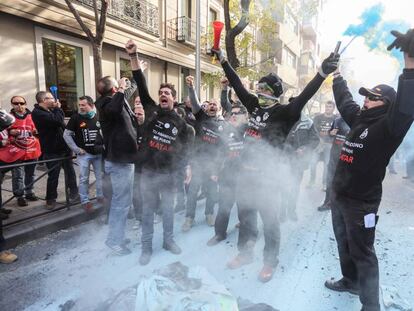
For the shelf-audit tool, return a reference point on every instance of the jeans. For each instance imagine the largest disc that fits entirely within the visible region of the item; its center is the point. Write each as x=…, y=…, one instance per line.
x=157, y=189
x=227, y=198
x=2, y=173
x=122, y=180
x=357, y=257
x=85, y=162
x=22, y=180
x=53, y=175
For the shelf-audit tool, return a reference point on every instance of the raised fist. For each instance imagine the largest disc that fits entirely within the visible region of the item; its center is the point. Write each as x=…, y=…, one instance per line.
x=224, y=82
x=131, y=47
x=190, y=81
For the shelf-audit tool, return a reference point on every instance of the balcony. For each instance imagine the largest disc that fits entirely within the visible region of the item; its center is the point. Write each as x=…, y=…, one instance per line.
x=136, y=13
x=182, y=29
x=309, y=29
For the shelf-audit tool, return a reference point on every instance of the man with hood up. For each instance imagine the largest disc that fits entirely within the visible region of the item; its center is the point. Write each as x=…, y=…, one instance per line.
x=268, y=126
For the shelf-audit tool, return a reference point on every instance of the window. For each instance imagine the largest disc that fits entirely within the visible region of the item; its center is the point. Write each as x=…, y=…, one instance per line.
x=63, y=65
x=291, y=22
x=184, y=90
x=289, y=57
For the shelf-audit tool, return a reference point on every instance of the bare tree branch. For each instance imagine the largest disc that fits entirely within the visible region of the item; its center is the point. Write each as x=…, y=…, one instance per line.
x=102, y=22
x=75, y=13
x=95, y=10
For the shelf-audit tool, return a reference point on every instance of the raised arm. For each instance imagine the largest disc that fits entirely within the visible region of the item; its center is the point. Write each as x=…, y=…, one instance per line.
x=401, y=114
x=248, y=99
x=344, y=100
x=54, y=119
x=137, y=73
x=224, y=96
x=329, y=65
x=195, y=103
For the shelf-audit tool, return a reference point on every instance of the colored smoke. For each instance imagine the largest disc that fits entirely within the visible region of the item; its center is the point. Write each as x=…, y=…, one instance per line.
x=376, y=31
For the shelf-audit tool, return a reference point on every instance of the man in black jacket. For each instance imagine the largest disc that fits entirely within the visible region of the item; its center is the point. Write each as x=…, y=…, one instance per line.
x=49, y=120
x=119, y=130
x=376, y=132
x=209, y=126
x=269, y=124
x=164, y=145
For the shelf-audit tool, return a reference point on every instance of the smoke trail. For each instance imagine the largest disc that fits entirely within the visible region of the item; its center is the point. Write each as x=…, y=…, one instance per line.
x=369, y=18
x=376, y=31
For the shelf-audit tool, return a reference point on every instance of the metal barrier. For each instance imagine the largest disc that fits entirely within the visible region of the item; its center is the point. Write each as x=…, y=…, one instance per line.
x=67, y=200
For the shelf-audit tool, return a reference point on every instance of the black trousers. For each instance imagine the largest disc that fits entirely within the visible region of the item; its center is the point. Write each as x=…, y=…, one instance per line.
x=357, y=256
x=227, y=198
x=53, y=175
x=201, y=178
x=262, y=200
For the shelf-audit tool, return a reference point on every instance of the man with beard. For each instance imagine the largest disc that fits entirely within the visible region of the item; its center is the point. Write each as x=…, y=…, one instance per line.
x=269, y=124
x=163, y=146
x=233, y=146
x=205, y=163
x=376, y=132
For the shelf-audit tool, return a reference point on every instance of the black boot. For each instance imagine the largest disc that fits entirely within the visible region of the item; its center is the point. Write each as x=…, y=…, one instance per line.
x=343, y=285
x=172, y=247
x=145, y=257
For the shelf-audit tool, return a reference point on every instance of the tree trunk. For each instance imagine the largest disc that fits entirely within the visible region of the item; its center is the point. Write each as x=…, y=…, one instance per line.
x=97, y=61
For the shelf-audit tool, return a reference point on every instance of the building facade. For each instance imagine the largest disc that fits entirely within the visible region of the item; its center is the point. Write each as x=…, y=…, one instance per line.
x=43, y=45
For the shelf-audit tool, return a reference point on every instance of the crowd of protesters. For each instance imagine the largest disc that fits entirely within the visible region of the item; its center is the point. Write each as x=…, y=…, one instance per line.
x=234, y=151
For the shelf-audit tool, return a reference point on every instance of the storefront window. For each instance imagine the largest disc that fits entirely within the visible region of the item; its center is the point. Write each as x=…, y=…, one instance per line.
x=64, y=68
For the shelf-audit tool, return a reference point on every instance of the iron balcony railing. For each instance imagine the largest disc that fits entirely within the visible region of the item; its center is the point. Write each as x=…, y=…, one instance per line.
x=183, y=29
x=136, y=13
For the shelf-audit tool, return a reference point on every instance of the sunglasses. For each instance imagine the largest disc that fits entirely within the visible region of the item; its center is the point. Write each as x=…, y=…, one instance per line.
x=374, y=98
x=19, y=103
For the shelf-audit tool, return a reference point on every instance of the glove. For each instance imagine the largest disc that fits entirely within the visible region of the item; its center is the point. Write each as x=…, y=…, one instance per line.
x=219, y=54
x=329, y=65
x=404, y=42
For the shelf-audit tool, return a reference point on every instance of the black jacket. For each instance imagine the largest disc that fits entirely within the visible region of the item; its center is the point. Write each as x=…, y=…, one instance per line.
x=165, y=139
x=119, y=129
x=271, y=124
x=374, y=136
x=50, y=126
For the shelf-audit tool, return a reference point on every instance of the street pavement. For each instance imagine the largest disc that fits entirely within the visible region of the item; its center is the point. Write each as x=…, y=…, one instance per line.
x=74, y=264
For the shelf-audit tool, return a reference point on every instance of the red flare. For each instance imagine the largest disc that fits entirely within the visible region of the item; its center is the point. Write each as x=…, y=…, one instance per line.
x=218, y=27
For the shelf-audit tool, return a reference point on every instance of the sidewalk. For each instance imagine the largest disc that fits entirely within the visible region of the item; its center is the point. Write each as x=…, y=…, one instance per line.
x=34, y=221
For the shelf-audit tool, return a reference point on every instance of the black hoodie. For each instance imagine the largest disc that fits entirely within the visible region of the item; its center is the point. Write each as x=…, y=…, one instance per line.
x=374, y=136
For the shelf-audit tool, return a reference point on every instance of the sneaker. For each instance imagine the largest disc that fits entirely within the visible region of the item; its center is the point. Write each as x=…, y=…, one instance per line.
x=215, y=240
x=188, y=223
x=5, y=211
x=120, y=250
x=210, y=220
x=74, y=197
x=324, y=207
x=88, y=207
x=240, y=260
x=342, y=285
x=7, y=257
x=266, y=273
x=172, y=247
x=22, y=201
x=50, y=204
x=145, y=257
x=31, y=197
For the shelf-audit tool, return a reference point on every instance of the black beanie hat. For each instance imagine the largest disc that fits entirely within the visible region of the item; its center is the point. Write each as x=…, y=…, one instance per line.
x=275, y=83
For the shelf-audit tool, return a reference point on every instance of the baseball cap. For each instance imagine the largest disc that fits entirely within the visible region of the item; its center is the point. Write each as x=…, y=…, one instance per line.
x=382, y=90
